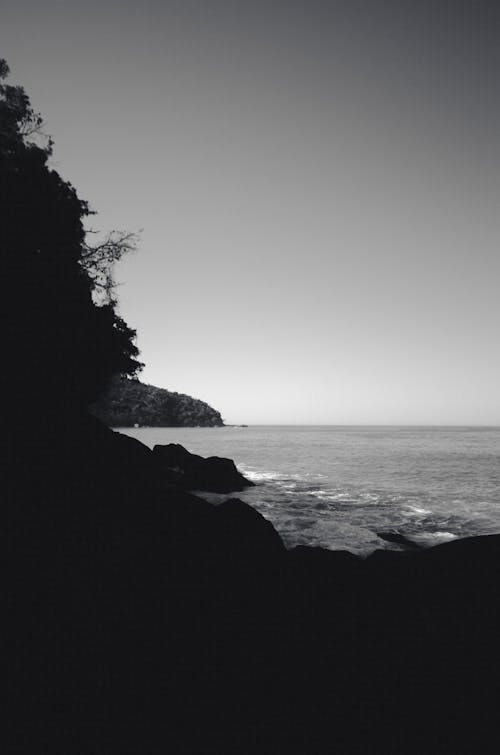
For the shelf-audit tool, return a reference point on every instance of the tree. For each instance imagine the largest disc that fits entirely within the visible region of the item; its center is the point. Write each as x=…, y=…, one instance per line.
x=61, y=343
x=98, y=261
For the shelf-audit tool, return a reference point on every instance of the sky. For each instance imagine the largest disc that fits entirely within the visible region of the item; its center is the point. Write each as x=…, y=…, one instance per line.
x=317, y=185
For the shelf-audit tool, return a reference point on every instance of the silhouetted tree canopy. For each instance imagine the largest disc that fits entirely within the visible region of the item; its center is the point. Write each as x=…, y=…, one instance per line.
x=59, y=342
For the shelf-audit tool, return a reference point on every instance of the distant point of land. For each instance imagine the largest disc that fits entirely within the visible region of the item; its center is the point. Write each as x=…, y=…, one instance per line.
x=130, y=403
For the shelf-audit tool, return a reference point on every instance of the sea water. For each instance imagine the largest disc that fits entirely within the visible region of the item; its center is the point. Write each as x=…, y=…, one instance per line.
x=338, y=487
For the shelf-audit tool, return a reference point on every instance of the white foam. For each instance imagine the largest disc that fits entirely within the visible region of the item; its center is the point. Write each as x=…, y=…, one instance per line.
x=282, y=478
x=321, y=494
x=260, y=476
x=331, y=495
x=440, y=536
x=370, y=496
x=419, y=510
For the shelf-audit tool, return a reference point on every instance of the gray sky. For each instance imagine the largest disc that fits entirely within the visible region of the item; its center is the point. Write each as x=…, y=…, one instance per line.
x=318, y=185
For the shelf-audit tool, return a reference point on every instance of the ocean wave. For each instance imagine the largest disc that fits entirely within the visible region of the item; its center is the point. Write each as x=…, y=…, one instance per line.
x=256, y=476
x=434, y=537
x=438, y=536
x=289, y=486
x=344, y=496
x=288, y=482
x=418, y=510
x=310, y=510
x=331, y=495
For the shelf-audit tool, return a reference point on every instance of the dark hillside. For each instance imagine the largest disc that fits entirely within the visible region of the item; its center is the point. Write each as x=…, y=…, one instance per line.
x=130, y=402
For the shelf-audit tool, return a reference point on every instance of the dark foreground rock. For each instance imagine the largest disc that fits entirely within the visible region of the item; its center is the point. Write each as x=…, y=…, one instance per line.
x=141, y=619
x=192, y=472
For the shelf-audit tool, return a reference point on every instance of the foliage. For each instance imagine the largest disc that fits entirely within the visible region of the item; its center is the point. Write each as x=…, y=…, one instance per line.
x=59, y=342
x=130, y=402
x=98, y=261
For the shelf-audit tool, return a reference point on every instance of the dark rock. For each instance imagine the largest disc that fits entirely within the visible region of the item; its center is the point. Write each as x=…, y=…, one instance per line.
x=147, y=620
x=248, y=531
x=192, y=472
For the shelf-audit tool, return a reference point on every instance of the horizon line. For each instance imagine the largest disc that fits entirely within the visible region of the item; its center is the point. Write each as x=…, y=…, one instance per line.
x=357, y=424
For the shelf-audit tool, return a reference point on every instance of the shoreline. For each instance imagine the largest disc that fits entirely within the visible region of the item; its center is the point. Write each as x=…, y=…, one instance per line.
x=199, y=621
x=319, y=489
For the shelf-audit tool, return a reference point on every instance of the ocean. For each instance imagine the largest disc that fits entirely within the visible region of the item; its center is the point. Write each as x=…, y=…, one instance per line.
x=338, y=486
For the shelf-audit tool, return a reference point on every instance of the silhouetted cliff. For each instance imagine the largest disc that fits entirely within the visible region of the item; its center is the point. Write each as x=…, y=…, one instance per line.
x=130, y=402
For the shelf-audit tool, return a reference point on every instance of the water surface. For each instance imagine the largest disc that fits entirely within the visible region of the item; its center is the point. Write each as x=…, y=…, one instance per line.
x=337, y=487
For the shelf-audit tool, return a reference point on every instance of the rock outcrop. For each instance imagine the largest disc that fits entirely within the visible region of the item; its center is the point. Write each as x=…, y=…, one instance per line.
x=192, y=472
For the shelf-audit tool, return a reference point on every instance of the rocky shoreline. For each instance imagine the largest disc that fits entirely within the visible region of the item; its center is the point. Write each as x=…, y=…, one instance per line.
x=147, y=620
